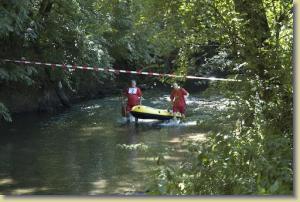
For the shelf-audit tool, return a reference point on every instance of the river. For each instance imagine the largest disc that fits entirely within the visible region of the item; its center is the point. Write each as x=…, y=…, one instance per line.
x=79, y=151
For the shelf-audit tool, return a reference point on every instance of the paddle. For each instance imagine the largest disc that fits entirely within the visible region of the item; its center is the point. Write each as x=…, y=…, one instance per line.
x=141, y=100
x=123, y=108
x=170, y=105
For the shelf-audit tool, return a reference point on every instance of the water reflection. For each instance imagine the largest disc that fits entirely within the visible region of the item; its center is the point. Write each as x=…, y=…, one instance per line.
x=75, y=151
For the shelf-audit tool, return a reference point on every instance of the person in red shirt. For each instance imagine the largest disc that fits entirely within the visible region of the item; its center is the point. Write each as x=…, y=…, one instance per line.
x=177, y=97
x=133, y=95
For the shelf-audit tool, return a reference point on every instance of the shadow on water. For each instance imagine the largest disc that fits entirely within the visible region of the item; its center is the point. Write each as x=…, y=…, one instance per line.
x=75, y=152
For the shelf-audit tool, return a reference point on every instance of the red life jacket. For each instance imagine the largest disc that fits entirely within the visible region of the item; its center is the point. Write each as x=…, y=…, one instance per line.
x=133, y=95
x=178, y=94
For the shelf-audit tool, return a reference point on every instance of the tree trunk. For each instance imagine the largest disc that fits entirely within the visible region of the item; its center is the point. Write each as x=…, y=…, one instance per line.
x=62, y=96
x=256, y=29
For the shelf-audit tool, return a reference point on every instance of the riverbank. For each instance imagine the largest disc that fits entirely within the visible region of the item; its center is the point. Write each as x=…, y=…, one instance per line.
x=38, y=98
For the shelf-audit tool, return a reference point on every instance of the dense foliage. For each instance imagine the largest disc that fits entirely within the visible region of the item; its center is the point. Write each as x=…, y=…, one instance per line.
x=250, y=150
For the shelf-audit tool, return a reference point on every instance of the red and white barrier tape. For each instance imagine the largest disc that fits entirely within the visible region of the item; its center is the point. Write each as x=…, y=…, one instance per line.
x=116, y=71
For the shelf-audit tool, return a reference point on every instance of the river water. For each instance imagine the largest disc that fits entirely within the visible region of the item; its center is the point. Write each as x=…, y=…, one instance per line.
x=79, y=151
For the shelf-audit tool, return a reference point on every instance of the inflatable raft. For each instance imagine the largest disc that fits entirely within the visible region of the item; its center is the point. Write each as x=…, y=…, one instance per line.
x=144, y=112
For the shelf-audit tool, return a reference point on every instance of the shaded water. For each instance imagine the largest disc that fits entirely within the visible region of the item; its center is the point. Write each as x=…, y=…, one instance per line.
x=77, y=152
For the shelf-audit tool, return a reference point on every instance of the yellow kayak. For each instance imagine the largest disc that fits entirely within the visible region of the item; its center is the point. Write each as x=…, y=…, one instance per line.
x=144, y=112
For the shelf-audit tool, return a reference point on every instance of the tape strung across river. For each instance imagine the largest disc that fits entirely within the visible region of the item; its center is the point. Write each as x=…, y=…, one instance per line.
x=116, y=71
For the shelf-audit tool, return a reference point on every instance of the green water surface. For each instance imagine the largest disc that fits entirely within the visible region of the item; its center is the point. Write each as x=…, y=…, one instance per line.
x=77, y=151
